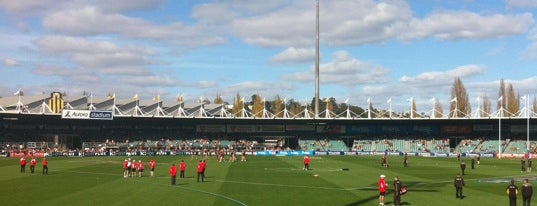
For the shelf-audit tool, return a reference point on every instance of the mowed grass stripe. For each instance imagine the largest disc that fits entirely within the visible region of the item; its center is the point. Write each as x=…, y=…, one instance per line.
x=259, y=181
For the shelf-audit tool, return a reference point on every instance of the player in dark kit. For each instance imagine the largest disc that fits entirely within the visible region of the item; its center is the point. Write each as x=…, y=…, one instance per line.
x=463, y=167
x=473, y=163
x=397, y=191
x=458, y=183
x=512, y=192
x=527, y=192
x=405, y=160
x=384, y=161
x=530, y=165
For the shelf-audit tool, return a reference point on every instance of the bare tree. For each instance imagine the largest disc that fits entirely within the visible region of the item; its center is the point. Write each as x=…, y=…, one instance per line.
x=257, y=105
x=512, y=101
x=277, y=106
x=459, y=104
x=485, y=112
x=439, y=112
x=294, y=107
x=534, y=104
x=218, y=99
x=238, y=105
x=414, y=113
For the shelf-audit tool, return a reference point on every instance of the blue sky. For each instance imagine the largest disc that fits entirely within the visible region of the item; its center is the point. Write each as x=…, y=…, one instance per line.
x=369, y=49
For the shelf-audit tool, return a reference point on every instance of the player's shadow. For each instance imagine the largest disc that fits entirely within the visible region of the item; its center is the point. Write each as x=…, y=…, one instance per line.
x=363, y=201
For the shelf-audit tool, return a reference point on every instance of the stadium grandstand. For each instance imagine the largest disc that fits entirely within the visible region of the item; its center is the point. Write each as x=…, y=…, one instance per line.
x=68, y=125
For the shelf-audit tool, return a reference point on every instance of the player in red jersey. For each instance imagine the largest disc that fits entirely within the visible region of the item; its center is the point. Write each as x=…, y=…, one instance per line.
x=140, y=168
x=44, y=163
x=173, y=173
x=22, y=163
x=33, y=162
x=306, y=162
x=152, y=164
x=182, y=167
x=382, y=189
x=200, y=171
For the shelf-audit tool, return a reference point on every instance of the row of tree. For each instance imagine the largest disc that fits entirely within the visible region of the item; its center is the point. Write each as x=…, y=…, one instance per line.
x=508, y=105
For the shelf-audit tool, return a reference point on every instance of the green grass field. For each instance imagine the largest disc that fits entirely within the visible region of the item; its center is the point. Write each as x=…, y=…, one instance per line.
x=259, y=181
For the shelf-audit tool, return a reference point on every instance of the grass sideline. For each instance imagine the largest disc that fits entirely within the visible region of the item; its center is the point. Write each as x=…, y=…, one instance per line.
x=259, y=181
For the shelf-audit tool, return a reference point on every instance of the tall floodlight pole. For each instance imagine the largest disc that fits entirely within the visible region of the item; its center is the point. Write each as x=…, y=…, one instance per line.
x=527, y=102
x=317, y=60
x=500, y=128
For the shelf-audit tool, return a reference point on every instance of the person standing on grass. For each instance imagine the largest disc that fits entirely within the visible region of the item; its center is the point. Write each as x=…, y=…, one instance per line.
x=479, y=159
x=243, y=157
x=529, y=165
x=173, y=173
x=204, y=166
x=382, y=189
x=129, y=165
x=22, y=163
x=33, y=162
x=182, y=167
x=405, y=160
x=522, y=165
x=125, y=173
x=140, y=168
x=512, y=192
x=306, y=162
x=527, y=192
x=152, y=164
x=473, y=163
x=397, y=191
x=458, y=183
x=200, y=171
x=463, y=167
x=44, y=163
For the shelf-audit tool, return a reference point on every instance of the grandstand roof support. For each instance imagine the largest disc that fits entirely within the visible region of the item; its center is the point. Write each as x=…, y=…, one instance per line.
x=224, y=113
x=159, y=112
x=525, y=111
x=115, y=110
x=306, y=113
x=45, y=108
x=180, y=111
x=284, y=112
x=19, y=105
x=348, y=113
x=137, y=110
x=327, y=113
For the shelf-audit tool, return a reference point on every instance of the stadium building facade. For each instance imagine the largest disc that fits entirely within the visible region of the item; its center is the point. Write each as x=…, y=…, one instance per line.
x=87, y=119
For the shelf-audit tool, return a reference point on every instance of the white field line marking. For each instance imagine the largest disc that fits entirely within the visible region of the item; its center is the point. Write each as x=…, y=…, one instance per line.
x=186, y=188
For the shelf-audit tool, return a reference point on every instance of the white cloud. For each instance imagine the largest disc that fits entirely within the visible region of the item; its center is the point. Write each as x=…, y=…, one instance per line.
x=341, y=23
x=103, y=56
x=264, y=88
x=10, y=62
x=90, y=21
x=443, y=77
x=128, y=5
x=294, y=55
x=450, y=25
x=522, y=4
x=343, y=70
x=26, y=7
